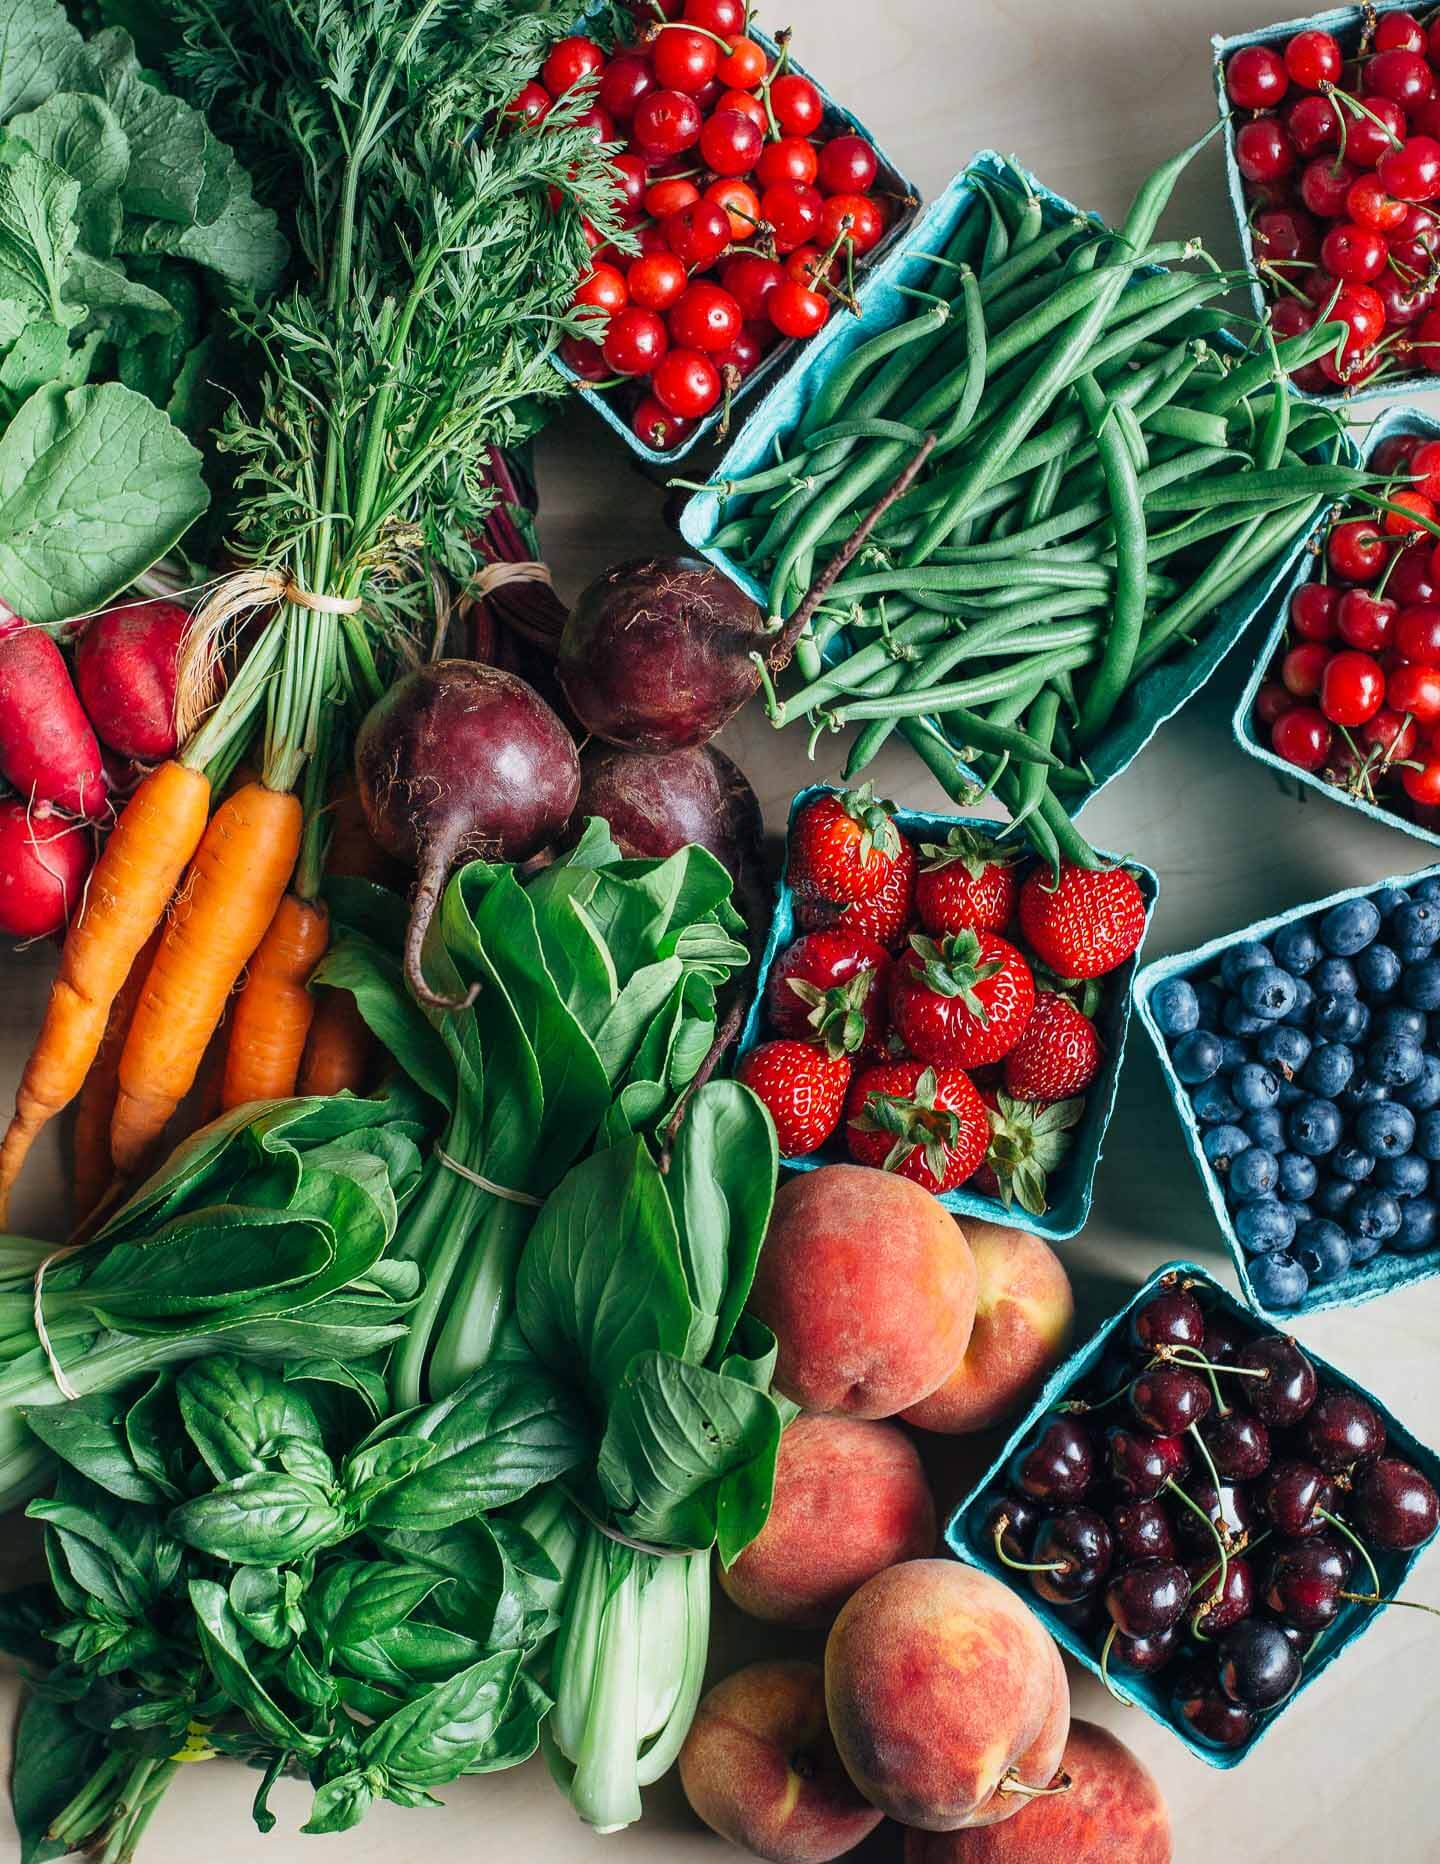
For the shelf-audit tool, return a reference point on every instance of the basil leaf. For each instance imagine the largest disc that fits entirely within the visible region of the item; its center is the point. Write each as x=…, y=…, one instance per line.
x=266, y=1602
x=95, y=1555
x=370, y=1472
x=355, y=1600
x=54, y=1753
x=220, y=1637
x=88, y=1434
x=436, y=1737
x=340, y=1804
x=261, y=1520
x=237, y=1413
x=722, y=1185
x=600, y=1280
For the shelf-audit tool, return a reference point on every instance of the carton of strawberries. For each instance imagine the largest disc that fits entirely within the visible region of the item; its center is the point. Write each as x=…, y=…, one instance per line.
x=934, y=1001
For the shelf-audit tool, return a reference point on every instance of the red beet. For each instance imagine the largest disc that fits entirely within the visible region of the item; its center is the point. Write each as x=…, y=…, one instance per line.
x=461, y=761
x=125, y=668
x=656, y=655
x=48, y=750
x=655, y=805
x=43, y=863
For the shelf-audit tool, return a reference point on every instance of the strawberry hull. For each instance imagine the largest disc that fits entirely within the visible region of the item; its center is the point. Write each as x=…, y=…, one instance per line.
x=1071, y=1187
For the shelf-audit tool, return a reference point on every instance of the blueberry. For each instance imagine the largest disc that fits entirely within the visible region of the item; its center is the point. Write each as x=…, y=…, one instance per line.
x=1389, y=900
x=1413, y=954
x=1297, y=948
x=1362, y=1248
x=1334, y=1198
x=1395, y=1062
x=1340, y=1018
x=1266, y=1129
x=1416, y=924
x=1322, y=1249
x=1279, y=1280
x=1233, y=1053
x=1302, y=1213
x=1289, y=1095
x=1363, y=1092
x=1240, y=1021
x=1337, y=975
x=1424, y=1092
x=1378, y=969
x=1223, y=1144
x=1387, y=1130
x=1255, y=1087
x=1374, y=1215
x=1265, y=1224
x=1350, y=927
x=1284, y=1050
x=1419, y=1227
x=1351, y=1163
x=1213, y=1102
x=1269, y=992
x=1208, y=998
x=1304, y=1000
x=1256, y=1173
x=1197, y=1056
x=1299, y=1177
x=1250, y=956
x=1313, y=1128
x=1427, y=1135
x=1421, y=988
x=1406, y=1176
x=1328, y=1070
x=1396, y=1020
x=1175, y=1007
x=1427, y=889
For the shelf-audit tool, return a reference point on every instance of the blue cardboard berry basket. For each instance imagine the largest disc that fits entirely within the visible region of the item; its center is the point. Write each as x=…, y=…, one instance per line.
x=966, y=1536
x=892, y=181
x=1250, y=738
x=1160, y=694
x=1346, y=23
x=1383, y=1272
x=1073, y=1184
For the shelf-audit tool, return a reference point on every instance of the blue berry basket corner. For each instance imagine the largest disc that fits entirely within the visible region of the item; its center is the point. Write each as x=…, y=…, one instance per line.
x=1158, y=696
x=1394, y=421
x=966, y=1538
x=1383, y=1272
x=1074, y=1181
x=786, y=357
x=1345, y=23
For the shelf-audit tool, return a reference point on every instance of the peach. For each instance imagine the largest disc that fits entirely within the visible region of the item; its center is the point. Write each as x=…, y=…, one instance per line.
x=945, y=1695
x=850, y=1499
x=868, y=1285
x=1112, y=1813
x=1024, y=1312
x=760, y=1768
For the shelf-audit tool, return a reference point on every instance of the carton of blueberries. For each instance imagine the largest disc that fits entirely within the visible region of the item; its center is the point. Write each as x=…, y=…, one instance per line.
x=1303, y=1055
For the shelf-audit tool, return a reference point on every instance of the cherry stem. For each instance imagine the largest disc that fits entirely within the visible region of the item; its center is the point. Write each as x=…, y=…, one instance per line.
x=1343, y=1527
x=1209, y=1461
x=1110, y=1637
x=1215, y=1534
x=1221, y=1408
x=1196, y=1616
x=1366, y=1598
x=1012, y=1783
x=1021, y=1566
x=1081, y=1407
x=1192, y=1356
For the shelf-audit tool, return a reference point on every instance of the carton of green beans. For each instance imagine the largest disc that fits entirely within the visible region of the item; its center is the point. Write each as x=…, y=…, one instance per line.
x=1023, y=507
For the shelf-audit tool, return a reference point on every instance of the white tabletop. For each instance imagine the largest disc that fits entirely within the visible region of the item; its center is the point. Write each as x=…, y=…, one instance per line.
x=1090, y=98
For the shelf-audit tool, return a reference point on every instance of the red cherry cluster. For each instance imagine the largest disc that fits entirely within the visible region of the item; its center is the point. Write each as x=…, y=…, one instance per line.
x=1340, y=160
x=750, y=219
x=1204, y=1506
x=1355, y=692
x=922, y=1009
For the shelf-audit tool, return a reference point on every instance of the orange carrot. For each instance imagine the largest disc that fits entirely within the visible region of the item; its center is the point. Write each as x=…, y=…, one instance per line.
x=272, y=1013
x=235, y=883
x=132, y=881
x=340, y=1050
x=93, y=1171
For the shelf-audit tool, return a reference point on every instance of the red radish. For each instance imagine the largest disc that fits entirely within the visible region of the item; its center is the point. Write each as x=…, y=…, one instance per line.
x=460, y=761
x=43, y=863
x=48, y=750
x=125, y=668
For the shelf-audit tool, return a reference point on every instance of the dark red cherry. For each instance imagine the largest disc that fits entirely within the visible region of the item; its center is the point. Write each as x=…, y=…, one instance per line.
x=1022, y=1518
x=1258, y=1664
x=1087, y=1614
x=1292, y=1493
x=1288, y=1389
x=1239, y=1445
x=1078, y=1542
x=1395, y=1506
x=1139, y=1465
x=1144, y=1655
x=1059, y=1466
x=1214, y=1609
x=1341, y=1429
x=1303, y=1583
x=1142, y=1531
x=1169, y=1399
x=1229, y=1509
x=1224, y=1336
x=1209, y=1715
x=1148, y=1598
x=1173, y=1317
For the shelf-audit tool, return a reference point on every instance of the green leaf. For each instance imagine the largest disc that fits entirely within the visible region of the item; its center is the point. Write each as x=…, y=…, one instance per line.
x=153, y=1437
x=236, y=1414
x=379, y=1467
x=40, y=52
x=356, y=1600
x=266, y=1602
x=95, y=484
x=377, y=982
x=222, y=1641
x=261, y=1520
x=689, y=1456
x=722, y=1185
x=166, y=136
x=243, y=245
x=38, y=230
x=600, y=1280
x=435, y=1738
x=340, y=1804
x=88, y=1434
x=40, y=354
x=82, y=137
x=121, y=308
x=55, y=1753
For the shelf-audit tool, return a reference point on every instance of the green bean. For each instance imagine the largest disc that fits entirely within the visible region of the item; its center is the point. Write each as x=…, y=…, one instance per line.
x=1031, y=255
x=1293, y=354
x=1166, y=544
x=872, y=429
x=1032, y=782
x=1190, y=424
x=835, y=393
x=977, y=359
x=1260, y=488
x=1026, y=229
x=1136, y=444
x=930, y=745
x=1044, y=487
x=868, y=660
x=1068, y=839
x=1003, y=311
x=1125, y=487
x=958, y=578
x=997, y=236
x=967, y=693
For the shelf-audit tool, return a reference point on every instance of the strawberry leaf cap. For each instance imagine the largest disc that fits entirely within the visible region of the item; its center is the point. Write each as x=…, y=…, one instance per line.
x=876, y=817
x=837, y=1015
x=1083, y=992
x=914, y=1121
x=952, y=967
x=1027, y=1142
x=964, y=847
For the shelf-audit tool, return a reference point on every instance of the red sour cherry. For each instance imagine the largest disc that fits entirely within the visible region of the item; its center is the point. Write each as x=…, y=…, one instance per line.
x=1312, y=59
x=1302, y=737
x=1353, y=689
x=570, y=60
x=635, y=342
x=1256, y=78
x=797, y=105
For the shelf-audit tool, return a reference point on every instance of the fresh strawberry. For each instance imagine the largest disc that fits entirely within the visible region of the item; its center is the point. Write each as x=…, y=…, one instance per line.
x=885, y=918
x=843, y=847
x=965, y=999
x=1088, y=924
x=1027, y=1143
x=965, y=881
x=831, y=987
x=924, y=1123
x=803, y=1089
x=1056, y=1056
